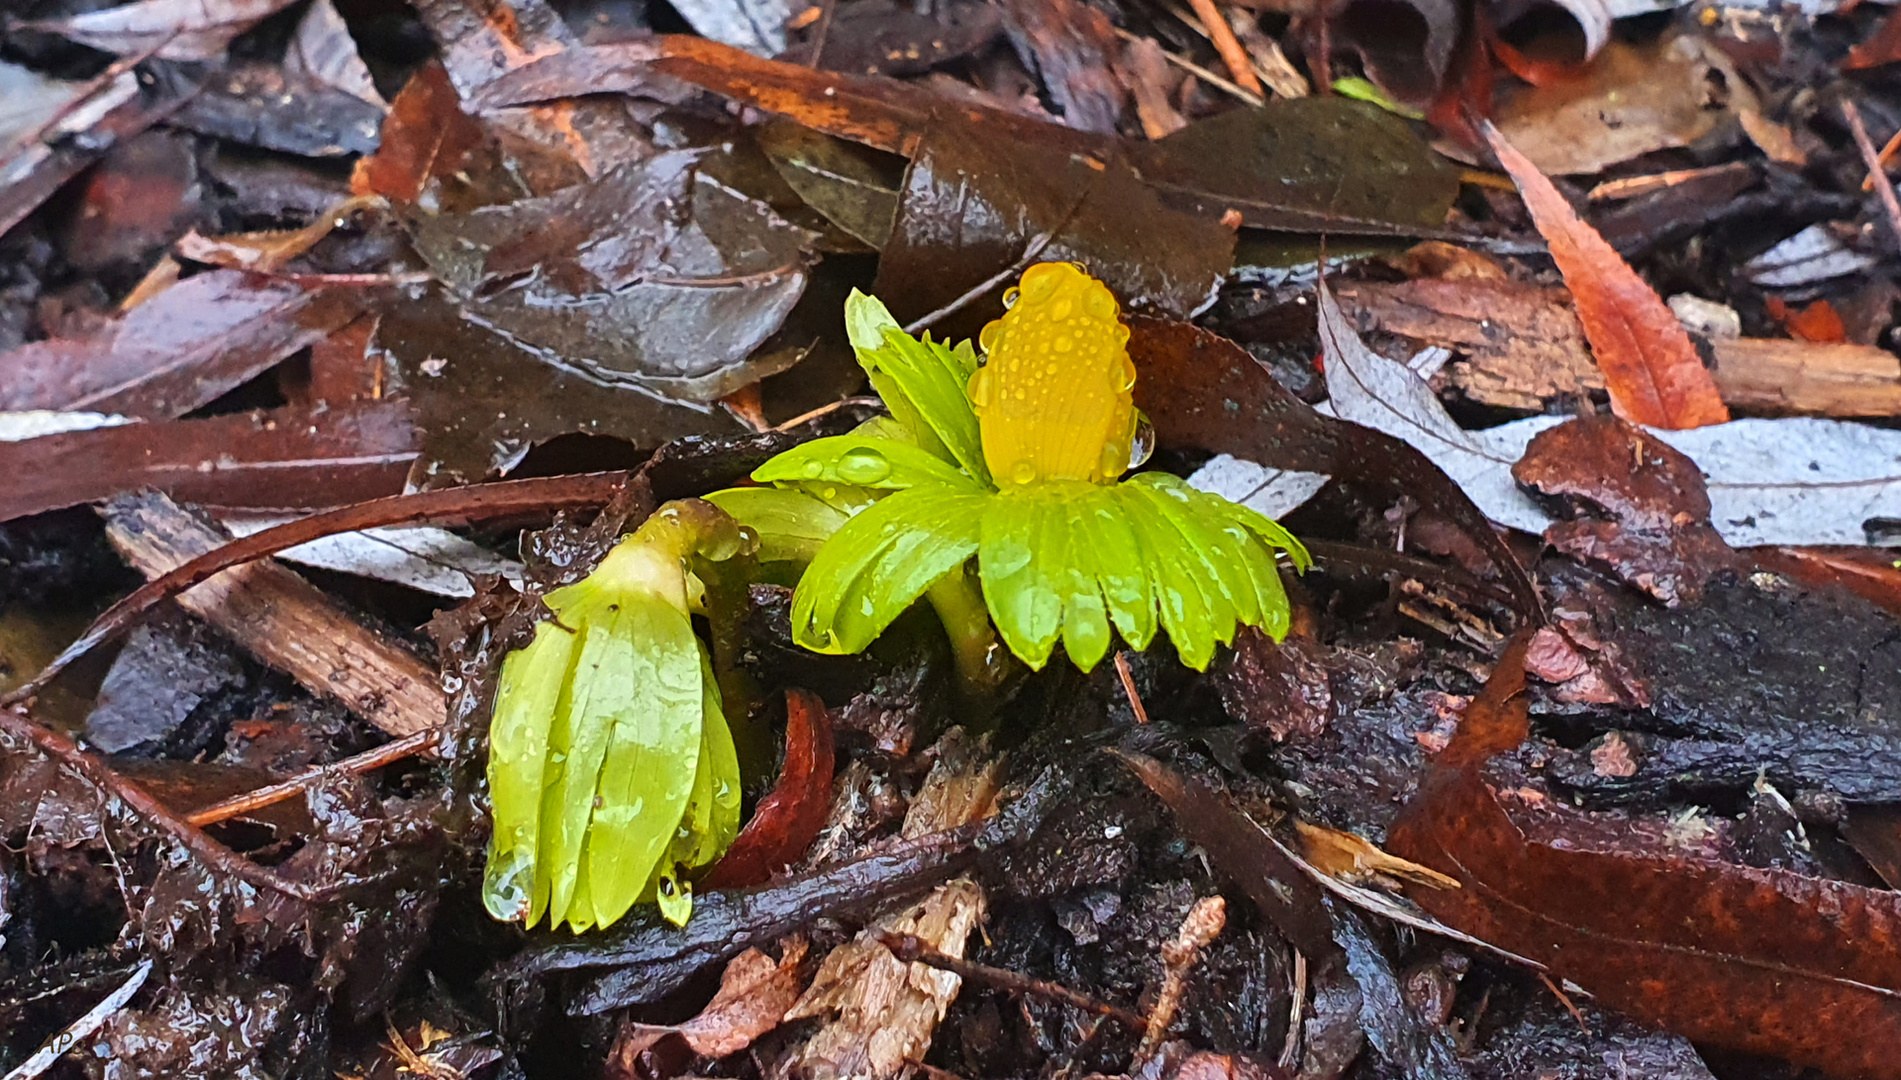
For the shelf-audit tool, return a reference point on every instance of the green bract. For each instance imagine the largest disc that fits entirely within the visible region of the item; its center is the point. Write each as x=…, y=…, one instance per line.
x=1064, y=549
x=611, y=768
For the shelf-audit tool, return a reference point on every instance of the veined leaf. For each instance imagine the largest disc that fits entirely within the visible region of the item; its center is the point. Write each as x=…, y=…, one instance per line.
x=923, y=383
x=791, y=525
x=881, y=561
x=864, y=461
x=577, y=743
x=1023, y=562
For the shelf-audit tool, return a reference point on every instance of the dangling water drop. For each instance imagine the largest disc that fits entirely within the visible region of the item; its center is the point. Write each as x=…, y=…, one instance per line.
x=987, y=337
x=1125, y=375
x=981, y=389
x=863, y=466
x=1024, y=472
x=1010, y=297
x=1142, y=444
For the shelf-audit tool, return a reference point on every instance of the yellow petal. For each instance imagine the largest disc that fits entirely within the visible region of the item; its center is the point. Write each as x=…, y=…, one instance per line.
x=1054, y=397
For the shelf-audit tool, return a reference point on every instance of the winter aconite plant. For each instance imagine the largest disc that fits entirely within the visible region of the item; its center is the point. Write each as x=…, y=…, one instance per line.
x=611, y=769
x=994, y=490
x=1014, y=464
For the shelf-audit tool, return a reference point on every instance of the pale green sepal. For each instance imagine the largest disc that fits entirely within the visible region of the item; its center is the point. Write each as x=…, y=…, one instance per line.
x=791, y=525
x=1220, y=557
x=531, y=683
x=923, y=383
x=880, y=562
x=577, y=744
x=864, y=461
x=650, y=752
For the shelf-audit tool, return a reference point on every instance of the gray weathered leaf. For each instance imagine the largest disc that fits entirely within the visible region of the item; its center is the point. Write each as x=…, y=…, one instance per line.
x=178, y=29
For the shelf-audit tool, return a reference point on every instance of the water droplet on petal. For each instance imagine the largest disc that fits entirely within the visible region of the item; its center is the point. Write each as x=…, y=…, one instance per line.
x=1125, y=380
x=1010, y=297
x=1024, y=472
x=1142, y=446
x=863, y=466
x=987, y=337
x=982, y=388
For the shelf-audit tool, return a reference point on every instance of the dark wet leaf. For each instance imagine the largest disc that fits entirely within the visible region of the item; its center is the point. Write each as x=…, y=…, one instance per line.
x=428, y=144
x=840, y=181
x=974, y=206
x=140, y=198
x=483, y=401
x=41, y=158
x=179, y=350
x=324, y=52
x=284, y=459
x=1282, y=890
x=785, y=823
x=275, y=108
x=898, y=117
x=1407, y=47
x=178, y=29
x=1633, y=503
x=156, y=684
x=653, y=276
x=1204, y=392
x=887, y=37
x=1299, y=164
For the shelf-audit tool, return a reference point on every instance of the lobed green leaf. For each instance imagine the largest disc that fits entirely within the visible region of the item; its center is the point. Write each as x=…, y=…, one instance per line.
x=880, y=562
x=792, y=526
x=923, y=383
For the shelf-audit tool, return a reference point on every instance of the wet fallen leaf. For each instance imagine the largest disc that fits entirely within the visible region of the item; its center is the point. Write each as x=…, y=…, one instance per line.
x=1633, y=504
x=280, y=107
x=180, y=350
x=1817, y=322
x=1634, y=99
x=887, y=37
x=427, y=140
x=785, y=823
x=1070, y=45
x=653, y=276
x=1759, y=960
x=1871, y=573
x=754, y=994
x=423, y=558
x=324, y=52
x=483, y=401
x=1650, y=367
x=839, y=180
x=178, y=29
x=1407, y=52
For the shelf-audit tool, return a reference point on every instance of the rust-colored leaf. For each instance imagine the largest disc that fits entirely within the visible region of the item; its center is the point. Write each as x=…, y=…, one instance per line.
x=1818, y=322
x=754, y=994
x=1764, y=961
x=284, y=459
x=1650, y=367
x=177, y=351
x=786, y=821
x=425, y=135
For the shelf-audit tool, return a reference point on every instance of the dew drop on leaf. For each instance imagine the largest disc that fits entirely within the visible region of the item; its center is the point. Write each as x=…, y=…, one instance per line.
x=1142, y=446
x=863, y=466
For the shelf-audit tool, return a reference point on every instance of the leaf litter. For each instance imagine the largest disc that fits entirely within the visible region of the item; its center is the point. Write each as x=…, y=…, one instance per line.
x=1686, y=678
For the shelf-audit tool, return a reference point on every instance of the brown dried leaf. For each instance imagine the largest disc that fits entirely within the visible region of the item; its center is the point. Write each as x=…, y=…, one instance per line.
x=1650, y=367
x=1759, y=960
x=1636, y=505
x=785, y=822
x=754, y=994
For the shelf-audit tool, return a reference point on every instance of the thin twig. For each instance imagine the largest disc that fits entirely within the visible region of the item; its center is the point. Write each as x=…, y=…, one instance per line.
x=1203, y=923
x=1128, y=687
x=1200, y=72
x=81, y=1029
x=1035, y=248
x=915, y=950
x=1883, y=186
x=1229, y=46
x=387, y=754
x=1885, y=156
x=1297, y=1004
x=826, y=410
x=14, y=721
x=819, y=35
